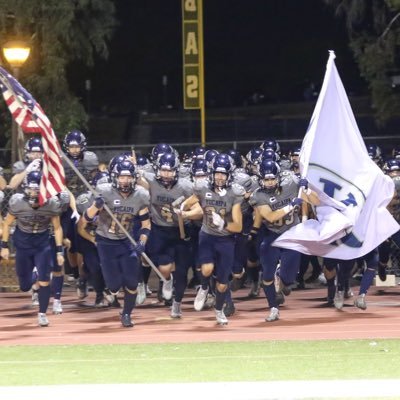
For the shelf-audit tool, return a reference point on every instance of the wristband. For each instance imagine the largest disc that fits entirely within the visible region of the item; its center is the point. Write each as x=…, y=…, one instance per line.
x=4, y=245
x=86, y=216
x=60, y=249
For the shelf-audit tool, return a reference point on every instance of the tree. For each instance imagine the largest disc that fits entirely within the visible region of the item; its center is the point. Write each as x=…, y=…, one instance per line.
x=61, y=32
x=374, y=32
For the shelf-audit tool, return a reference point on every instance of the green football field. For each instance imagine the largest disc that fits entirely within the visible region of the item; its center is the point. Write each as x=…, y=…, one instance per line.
x=200, y=362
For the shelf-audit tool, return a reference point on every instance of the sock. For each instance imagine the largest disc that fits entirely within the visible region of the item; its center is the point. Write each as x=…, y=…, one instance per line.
x=129, y=302
x=57, y=286
x=44, y=298
x=366, y=281
x=270, y=294
x=331, y=288
x=219, y=300
x=204, y=282
x=254, y=273
x=146, y=274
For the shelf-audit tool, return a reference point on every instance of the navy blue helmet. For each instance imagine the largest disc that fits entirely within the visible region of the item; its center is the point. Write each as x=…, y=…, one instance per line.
x=375, y=153
x=210, y=154
x=31, y=186
x=236, y=156
x=74, y=138
x=124, y=168
x=221, y=163
x=269, y=169
x=269, y=154
x=34, y=144
x=391, y=165
x=271, y=144
x=199, y=167
x=100, y=177
x=159, y=149
x=117, y=159
x=199, y=152
x=167, y=162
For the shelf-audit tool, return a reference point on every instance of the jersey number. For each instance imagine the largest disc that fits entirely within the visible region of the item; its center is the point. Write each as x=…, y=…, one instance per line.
x=124, y=219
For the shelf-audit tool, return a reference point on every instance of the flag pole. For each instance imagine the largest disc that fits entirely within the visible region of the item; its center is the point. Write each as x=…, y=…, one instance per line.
x=90, y=188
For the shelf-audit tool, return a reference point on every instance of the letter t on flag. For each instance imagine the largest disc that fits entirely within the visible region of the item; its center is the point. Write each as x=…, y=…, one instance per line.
x=352, y=219
x=28, y=114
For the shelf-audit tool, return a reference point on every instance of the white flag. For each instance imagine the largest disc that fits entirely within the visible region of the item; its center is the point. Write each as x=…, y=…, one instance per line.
x=352, y=219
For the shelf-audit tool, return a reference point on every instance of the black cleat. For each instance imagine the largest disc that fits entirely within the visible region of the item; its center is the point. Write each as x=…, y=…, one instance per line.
x=382, y=272
x=229, y=309
x=126, y=321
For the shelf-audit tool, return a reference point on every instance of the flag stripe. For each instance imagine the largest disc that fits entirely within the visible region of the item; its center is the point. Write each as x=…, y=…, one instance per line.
x=29, y=115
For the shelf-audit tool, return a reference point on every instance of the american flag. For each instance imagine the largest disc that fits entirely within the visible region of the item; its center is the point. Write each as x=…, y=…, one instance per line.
x=28, y=114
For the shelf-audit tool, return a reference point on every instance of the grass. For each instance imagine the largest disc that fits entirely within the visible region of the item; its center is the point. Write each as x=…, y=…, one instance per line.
x=200, y=362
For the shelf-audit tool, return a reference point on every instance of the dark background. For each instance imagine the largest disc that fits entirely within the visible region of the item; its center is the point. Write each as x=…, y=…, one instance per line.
x=264, y=51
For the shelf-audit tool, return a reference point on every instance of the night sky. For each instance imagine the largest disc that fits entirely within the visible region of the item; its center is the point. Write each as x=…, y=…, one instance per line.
x=272, y=47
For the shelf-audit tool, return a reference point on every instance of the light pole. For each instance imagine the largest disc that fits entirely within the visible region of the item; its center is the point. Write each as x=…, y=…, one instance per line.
x=16, y=52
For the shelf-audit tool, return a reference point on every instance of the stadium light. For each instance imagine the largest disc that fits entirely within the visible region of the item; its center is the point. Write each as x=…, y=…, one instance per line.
x=16, y=52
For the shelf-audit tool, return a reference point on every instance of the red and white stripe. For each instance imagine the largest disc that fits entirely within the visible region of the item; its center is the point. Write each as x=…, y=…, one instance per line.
x=35, y=120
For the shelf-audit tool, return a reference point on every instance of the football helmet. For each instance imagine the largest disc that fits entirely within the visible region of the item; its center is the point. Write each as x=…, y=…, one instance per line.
x=72, y=139
x=167, y=167
x=31, y=186
x=199, y=152
x=253, y=158
x=199, y=168
x=124, y=169
x=33, y=145
x=236, y=157
x=100, y=177
x=392, y=165
x=271, y=144
x=117, y=159
x=269, y=169
x=160, y=149
x=221, y=163
x=210, y=154
x=375, y=153
x=269, y=154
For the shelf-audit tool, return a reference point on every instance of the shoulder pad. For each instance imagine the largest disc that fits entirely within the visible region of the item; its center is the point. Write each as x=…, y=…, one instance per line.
x=238, y=190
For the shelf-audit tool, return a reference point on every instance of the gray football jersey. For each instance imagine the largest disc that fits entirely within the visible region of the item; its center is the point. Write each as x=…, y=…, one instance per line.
x=184, y=171
x=124, y=210
x=241, y=178
x=85, y=166
x=289, y=190
x=64, y=200
x=215, y=202
x=18, y=167
x=83, y=202
x=161, y=199
x=33, y=220
x=395, y=205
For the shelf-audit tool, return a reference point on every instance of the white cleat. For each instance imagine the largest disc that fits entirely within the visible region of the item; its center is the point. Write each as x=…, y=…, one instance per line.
x=141, y=294
x=360, y=302
x=35, y=299
x=273, y=315
x=200, y=299
x=57, y=307
x=338, y=301
x=221, y=318
x=42, y=319
x=167, y=288
x=176, y=311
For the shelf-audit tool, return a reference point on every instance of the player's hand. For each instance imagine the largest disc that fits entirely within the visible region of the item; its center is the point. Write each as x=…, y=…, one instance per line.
x=139, y=247
x=75, y=215
x=60, y=259
x=99, y=202
x=35, y=165
x=297, y=202
x=218, y=221
x=303, y=182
